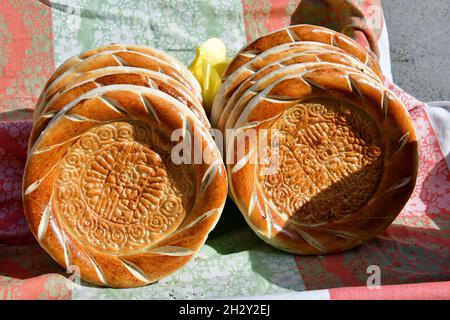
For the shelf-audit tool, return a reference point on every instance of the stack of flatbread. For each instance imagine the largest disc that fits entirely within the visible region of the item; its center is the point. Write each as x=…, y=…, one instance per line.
x=321, y=156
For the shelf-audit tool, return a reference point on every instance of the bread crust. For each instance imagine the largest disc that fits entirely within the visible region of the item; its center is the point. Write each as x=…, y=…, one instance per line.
x=110, y=59
x=126, y=47
x=308, y=58
x=303, y=32
x=110, y=76
x=250, y=63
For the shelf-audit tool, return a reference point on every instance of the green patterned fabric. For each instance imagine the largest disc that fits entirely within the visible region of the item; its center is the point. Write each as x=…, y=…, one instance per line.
x=175, y=26
x=233, y=262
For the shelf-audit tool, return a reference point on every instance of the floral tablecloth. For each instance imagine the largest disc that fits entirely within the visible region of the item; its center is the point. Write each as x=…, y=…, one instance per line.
x=413, y=255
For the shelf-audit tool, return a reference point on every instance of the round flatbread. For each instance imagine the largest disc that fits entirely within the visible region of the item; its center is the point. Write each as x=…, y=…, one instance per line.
x=103, y=191
x=339, y=162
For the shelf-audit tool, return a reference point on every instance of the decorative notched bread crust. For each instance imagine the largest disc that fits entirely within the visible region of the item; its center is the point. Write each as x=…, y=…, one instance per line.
x=308, y=58
x=161, y=55
x=110, y=76
x=303, y=32
x=347, y=161
x=257, y=61
x=101, y=191
x=114, y=58
x=180, y=89
x=260, y=61
x=239, y=106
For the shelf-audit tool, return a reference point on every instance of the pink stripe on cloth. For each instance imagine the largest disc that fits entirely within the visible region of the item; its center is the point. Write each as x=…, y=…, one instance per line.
x=262, y=16
x=26, y=55
x=44, y=287
x=419, y=291
x=13, y=154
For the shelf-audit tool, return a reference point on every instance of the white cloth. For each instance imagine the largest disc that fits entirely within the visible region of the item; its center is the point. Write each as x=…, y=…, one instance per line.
x=385, y=54
x=439, y=115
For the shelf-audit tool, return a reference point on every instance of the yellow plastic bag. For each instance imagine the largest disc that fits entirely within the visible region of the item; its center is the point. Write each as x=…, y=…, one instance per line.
x=208, y=66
